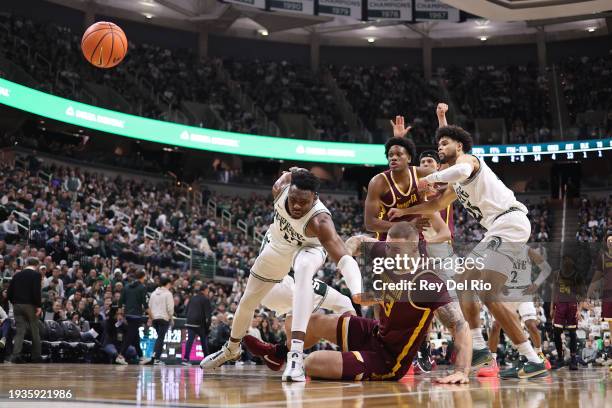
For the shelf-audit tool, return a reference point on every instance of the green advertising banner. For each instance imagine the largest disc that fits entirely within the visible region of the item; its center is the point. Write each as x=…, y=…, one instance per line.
x=122, y=124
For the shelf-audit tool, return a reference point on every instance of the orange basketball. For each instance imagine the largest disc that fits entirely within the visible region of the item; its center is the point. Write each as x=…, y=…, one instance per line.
x=104, y=44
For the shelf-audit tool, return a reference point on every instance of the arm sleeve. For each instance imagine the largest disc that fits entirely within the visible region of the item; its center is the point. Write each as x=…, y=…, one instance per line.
x=545, y=270
x=350, y=271
x=454, y=174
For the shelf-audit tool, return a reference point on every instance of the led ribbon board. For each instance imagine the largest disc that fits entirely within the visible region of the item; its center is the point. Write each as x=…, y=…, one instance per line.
x=122, y=124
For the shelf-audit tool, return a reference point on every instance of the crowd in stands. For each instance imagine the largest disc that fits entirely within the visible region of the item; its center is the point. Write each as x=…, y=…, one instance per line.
x=155, y=81
x=594, y=218
x=378, y=92
x=586, y=87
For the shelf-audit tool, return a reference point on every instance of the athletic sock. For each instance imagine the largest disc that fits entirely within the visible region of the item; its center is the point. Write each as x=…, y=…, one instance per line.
x=525, y=349
x=478, y=342
x=494, y=356
x=233, y=345
x=297, y=345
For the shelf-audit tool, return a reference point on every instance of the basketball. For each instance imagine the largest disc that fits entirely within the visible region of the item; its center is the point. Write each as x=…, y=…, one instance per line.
x=104, y=44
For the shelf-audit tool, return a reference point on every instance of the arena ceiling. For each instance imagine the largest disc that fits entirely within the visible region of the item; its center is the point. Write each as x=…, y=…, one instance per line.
x=502, y=22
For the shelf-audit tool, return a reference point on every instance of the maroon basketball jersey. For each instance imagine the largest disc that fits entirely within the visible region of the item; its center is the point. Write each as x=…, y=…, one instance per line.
x=396, y=198
x=566, y=289
x=606, y=265
x=403, y=323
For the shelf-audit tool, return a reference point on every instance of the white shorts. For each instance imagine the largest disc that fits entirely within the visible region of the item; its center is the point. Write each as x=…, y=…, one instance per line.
x=280, y=298
x=503, y=243
x=275, y=260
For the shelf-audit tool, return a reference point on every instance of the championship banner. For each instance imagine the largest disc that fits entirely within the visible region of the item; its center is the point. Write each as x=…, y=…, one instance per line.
x=390, y=10
x=427, y=10
x=260, y=4
x=341, y=8
x=294, y=6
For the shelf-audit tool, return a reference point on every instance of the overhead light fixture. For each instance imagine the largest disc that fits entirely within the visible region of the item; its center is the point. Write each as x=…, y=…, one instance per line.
x=482, y=24
x=483, y=38
x=591, y=29
x=148, y=16
x=371, y=40
x=263, y=33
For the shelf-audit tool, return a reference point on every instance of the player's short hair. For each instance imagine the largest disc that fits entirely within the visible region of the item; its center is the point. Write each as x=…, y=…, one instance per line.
x=305, y=180
x=430, y=153
x=403, y=230
x=407, y=144
x=456, y=133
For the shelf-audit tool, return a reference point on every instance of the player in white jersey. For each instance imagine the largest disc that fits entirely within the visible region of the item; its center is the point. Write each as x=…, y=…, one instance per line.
x=519, y=293
x=301, y=236
x=494, y=206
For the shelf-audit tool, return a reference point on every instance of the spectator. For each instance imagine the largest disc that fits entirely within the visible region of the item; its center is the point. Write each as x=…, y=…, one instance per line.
x=589, y=353
x=24, y=293
x=199, y=315
x=115, y=333
x=605, y=355
x=10, y=230
x=161, y=312
x=133, y=299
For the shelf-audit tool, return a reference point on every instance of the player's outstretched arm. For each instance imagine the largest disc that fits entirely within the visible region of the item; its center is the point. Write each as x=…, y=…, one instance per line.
x=441, y=110
x=426, y=208
x=322, y=226
x=450, y=315
x=372, y=206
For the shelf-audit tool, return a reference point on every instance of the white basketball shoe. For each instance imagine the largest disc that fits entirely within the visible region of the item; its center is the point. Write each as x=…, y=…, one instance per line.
x=217, y=359
x=294, y=370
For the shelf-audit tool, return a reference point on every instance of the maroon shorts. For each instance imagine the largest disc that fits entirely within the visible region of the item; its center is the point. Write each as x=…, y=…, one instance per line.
x=363, y=355
x=565, y=315
x=606, y=310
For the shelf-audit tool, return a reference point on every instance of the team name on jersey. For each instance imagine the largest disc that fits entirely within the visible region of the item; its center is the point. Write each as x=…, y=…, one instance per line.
x=289, y=234
x=519, y=264
x=464, y=199
x=413, y=199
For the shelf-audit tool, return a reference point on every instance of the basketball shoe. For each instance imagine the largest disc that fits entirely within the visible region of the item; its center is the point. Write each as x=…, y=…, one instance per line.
x=217, y=359
x=294, y=371
x=525, y=369
x=268, y=352
x=481, y=358
x=545, y=361
x=489, y=370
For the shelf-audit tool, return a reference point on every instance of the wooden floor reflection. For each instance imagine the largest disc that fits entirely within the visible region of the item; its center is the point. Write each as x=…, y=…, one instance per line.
x=106, y=385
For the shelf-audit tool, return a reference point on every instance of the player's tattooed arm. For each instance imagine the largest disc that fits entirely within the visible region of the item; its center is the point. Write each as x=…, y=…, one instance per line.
x=450, y=315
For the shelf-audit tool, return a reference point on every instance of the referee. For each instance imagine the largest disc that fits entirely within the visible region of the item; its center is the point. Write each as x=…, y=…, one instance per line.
x=24, y=292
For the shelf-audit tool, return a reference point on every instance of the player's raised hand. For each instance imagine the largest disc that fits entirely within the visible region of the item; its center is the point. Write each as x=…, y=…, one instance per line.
x=441, y=110
x=399, y=127
x=457, y=377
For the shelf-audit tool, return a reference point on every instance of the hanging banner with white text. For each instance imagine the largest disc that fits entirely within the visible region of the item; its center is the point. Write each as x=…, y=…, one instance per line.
x=390, y=10
x=427, y=10
x=294, y=6
x=340, y=8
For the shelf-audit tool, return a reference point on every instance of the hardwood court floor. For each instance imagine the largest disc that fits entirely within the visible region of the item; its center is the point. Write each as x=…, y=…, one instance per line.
x=178, y=386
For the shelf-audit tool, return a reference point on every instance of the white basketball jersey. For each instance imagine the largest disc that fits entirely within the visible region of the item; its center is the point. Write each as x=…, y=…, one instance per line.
x=290, y=231
x=485, y=196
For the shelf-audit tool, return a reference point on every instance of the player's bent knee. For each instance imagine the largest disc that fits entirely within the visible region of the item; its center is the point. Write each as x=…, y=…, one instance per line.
x=324, y=364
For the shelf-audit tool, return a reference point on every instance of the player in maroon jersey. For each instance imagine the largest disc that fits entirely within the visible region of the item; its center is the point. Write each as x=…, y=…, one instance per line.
x=384, y=349
x=603, y=278
x=565, y=313
x=393, y=188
